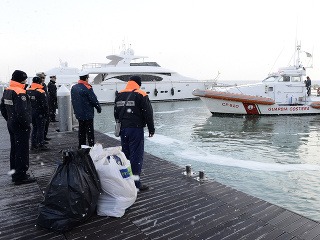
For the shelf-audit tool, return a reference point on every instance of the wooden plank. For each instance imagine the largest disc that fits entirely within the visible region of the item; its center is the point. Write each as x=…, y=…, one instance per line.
x=304, y=229
x=312, y=234
x=187, y=213
x=282, y=217
x=269, y=213
x=259, y=232
x=192, y=226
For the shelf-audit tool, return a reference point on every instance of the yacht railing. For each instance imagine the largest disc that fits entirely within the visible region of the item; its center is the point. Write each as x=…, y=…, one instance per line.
x=215, y=85
x=94, y=65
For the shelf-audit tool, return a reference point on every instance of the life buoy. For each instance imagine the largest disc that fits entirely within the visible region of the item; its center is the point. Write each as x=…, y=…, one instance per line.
x=172, y=91
x=155, y=92
x=318, y=91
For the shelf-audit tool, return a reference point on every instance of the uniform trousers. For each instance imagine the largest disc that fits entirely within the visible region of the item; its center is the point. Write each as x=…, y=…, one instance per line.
x=132, y=142
x=19, y=152
x=38, y=128
x=86, y=130
x=46, y=126
x=52, y=111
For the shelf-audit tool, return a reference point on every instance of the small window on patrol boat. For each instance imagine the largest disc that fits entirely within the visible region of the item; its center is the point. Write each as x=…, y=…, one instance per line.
x=295, y=79
x=286, y=78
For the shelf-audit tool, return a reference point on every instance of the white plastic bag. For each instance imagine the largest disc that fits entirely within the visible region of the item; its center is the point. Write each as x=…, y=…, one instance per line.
x=117, y=183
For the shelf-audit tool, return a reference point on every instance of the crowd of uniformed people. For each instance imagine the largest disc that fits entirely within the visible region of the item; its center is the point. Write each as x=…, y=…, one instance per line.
x=23, y=106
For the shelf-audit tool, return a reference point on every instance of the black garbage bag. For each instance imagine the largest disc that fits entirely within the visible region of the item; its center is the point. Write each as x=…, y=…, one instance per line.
x=72, y=194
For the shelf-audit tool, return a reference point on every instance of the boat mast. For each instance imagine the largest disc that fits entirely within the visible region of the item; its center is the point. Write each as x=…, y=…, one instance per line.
x=298, y=48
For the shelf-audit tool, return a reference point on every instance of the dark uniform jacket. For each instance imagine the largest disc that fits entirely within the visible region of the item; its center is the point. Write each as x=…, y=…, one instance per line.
x=84, y=101
x=52, y=91
x=15, y=106
x=138, y=112
x=38, y=100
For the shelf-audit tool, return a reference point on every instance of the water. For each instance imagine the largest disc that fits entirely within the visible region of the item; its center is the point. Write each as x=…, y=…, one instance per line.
x=274, y=158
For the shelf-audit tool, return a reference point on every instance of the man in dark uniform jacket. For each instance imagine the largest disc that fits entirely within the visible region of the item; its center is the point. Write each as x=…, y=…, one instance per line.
x=42, y=75
x=16, y=109
x=308, y=85
x=53, y=100
x=134, y=117
x=84, y=101
x=39, y=114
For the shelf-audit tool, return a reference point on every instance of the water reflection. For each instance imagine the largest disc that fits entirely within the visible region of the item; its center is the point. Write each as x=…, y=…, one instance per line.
x=278, y=138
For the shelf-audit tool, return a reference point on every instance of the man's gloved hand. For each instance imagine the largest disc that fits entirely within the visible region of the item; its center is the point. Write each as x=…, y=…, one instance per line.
x=99, y=110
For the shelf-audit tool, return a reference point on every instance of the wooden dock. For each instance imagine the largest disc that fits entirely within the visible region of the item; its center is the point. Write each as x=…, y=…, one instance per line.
x=175, y=207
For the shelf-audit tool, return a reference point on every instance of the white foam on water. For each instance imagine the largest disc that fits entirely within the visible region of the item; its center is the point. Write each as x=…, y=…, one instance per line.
x=160, y=126
x=157, y=139
x=200, y=155
x=164, y=140
x=173, y=111
x=252, y=165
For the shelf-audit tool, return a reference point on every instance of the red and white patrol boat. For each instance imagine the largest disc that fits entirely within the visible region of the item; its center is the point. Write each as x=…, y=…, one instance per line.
x=281, y=93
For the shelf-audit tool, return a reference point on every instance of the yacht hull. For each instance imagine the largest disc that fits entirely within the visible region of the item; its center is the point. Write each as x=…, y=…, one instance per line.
x=157, y=91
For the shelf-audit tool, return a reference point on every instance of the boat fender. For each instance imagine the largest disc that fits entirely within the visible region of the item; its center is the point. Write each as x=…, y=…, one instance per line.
x=172, y=91
x=318, y=91
x=155, y=92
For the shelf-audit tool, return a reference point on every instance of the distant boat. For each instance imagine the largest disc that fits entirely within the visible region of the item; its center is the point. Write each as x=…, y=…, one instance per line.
x=281, y=93
x=65, y=75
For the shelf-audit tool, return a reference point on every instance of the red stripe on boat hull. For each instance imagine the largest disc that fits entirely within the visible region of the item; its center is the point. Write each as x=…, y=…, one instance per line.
x=251, y=109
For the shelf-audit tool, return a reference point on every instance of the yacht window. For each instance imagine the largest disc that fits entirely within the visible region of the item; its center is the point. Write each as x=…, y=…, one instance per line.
x=98, y=78
x=168, y=74
x=144, y=78
x=270, y=79
x=284, y=79
x=154, y=64
x=295, y=79
x=150, y=78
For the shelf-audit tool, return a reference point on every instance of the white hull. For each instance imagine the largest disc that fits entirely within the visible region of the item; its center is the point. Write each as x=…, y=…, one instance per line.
x=157, y=91
x=231, y=107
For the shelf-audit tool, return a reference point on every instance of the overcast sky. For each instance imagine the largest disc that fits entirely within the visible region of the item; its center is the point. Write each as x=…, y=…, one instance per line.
x=243, y=40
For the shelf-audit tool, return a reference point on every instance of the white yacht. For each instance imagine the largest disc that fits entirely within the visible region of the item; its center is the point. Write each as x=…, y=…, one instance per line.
x=65, y=75
x=160, y=84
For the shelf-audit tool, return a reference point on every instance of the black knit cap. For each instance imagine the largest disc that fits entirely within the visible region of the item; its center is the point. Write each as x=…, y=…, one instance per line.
x=136, y=78
x=36, y=80
x=19, y=76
